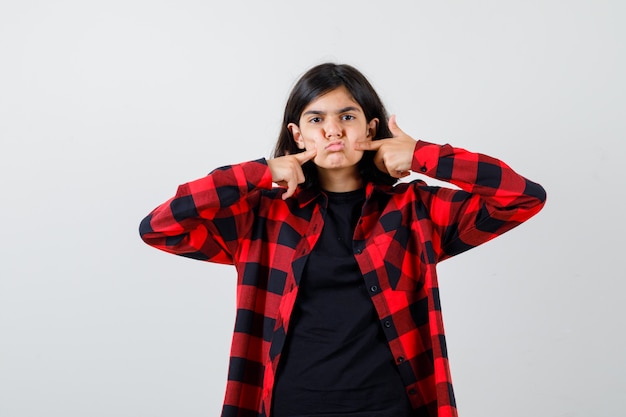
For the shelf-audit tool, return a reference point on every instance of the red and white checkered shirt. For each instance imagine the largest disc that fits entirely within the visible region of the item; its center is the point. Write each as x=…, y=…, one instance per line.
x=236, y=216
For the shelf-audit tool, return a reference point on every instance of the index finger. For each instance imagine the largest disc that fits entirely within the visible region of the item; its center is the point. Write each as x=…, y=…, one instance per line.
x=368, y=145
x=302, y=157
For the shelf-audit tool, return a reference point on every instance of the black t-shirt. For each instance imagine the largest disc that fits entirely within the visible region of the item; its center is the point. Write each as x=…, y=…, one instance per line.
x=336, y=361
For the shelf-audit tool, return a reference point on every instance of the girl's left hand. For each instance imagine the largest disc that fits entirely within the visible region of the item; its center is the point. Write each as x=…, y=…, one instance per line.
x=393, y=155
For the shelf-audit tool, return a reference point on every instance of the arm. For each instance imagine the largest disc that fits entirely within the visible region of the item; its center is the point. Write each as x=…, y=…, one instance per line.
x=207, y=216
x=493, y=198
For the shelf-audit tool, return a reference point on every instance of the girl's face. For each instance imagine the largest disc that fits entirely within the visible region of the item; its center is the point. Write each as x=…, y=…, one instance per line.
x=332, y=123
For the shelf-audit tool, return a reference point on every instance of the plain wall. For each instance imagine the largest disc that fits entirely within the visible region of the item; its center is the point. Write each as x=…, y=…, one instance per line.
x=107, y=106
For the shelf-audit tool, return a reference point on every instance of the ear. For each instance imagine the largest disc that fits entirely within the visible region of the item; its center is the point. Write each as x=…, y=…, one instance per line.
x=372, y=128
x=297, y=135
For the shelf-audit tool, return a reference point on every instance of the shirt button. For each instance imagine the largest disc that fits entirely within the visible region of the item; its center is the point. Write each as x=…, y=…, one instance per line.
x=412, y=391
x=387, y=323
x=359, y=251
x=423, y=169
x=400, y=359
x=373, y=288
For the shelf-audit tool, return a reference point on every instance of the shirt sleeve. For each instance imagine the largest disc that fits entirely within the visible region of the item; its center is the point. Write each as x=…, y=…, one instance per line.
x=206, y=217
x=492, y=199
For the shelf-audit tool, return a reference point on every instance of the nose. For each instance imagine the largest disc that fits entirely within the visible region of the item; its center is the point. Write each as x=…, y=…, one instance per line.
x=332, y=129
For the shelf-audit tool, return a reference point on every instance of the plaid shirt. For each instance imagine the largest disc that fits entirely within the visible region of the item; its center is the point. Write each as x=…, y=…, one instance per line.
x=235, y=216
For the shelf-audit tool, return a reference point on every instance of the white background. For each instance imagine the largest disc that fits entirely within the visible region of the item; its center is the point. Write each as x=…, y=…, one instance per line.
x=106, y=106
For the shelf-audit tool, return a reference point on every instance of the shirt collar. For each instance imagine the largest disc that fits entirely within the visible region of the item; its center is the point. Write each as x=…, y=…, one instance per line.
x=305, y=196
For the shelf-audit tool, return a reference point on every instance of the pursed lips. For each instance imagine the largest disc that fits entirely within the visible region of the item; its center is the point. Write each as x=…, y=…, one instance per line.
x=334, y=146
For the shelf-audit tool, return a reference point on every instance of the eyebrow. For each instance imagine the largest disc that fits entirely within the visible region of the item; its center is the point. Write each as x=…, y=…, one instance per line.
x=343, y=110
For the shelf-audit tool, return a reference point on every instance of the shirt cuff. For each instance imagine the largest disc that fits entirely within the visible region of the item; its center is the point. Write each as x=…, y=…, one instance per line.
x=425, y=158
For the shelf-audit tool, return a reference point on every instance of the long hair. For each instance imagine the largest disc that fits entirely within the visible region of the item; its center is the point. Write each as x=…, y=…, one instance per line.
x=318, y=81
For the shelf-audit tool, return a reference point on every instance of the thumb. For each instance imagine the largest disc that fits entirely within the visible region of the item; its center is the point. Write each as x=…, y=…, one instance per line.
x=393, y=126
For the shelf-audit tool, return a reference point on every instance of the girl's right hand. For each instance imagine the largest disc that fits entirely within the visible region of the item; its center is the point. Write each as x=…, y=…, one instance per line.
x=287, y=170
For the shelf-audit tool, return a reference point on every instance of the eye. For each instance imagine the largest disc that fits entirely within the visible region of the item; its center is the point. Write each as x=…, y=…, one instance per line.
x=315, y=119
x=347, y=117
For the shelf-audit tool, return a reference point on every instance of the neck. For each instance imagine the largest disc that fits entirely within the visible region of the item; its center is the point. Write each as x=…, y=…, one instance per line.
x=340, y=181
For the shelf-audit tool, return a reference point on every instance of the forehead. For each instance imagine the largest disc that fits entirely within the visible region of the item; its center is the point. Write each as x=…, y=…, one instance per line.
x=333, y=100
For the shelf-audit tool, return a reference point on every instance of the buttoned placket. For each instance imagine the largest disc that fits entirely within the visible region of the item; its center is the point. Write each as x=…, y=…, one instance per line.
x=372, y=281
